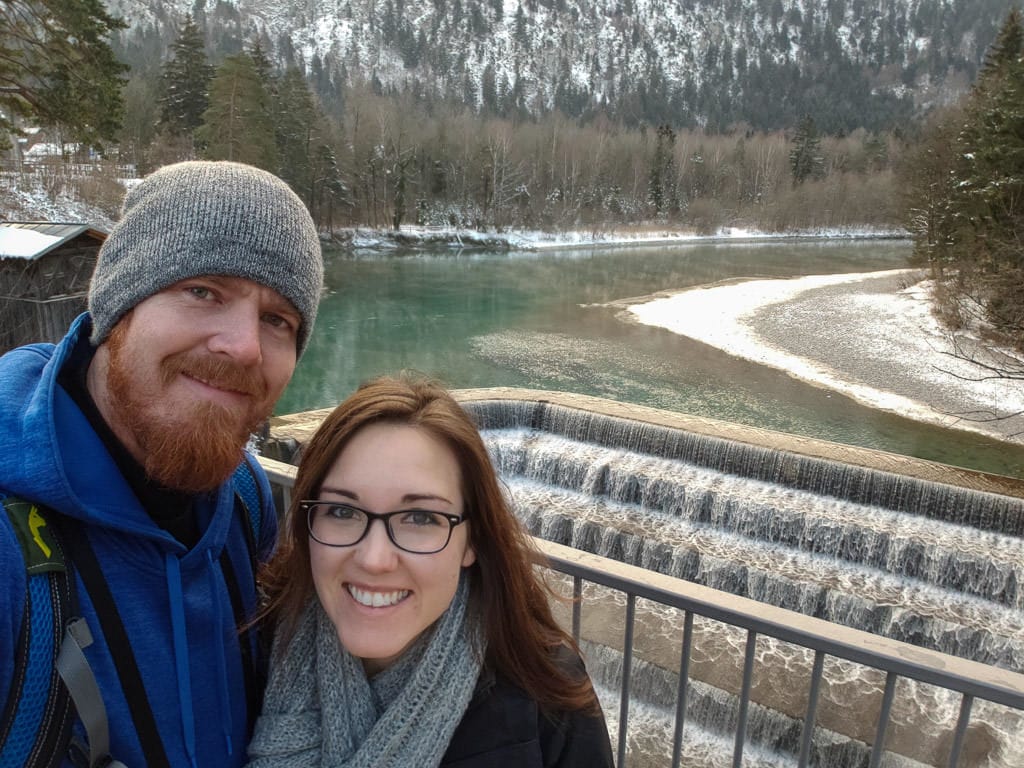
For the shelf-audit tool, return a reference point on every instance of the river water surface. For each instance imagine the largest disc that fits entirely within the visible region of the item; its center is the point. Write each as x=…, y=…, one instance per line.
x=542, y=321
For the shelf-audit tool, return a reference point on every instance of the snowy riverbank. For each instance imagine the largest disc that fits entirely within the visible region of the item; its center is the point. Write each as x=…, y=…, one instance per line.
x=536, y=240
x=870, y=336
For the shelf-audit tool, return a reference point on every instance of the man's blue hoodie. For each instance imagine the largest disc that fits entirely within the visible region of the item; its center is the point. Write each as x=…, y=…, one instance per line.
x=174, y=602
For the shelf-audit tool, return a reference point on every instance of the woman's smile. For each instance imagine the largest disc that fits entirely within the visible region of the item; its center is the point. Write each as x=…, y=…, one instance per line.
x=373, y=599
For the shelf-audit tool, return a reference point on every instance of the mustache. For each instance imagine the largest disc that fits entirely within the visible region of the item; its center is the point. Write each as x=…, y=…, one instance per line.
x=219, y=373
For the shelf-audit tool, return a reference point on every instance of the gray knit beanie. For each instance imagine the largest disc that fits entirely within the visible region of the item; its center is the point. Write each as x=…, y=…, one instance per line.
x=208, y=218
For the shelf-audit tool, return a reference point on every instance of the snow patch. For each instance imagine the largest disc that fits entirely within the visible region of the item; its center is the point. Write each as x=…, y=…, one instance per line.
x=18, y=243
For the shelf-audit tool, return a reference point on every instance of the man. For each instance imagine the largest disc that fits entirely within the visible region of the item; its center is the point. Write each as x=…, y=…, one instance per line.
x=125, y=438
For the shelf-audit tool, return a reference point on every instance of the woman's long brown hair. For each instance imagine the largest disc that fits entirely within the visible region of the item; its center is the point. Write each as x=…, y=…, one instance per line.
x=512, y=600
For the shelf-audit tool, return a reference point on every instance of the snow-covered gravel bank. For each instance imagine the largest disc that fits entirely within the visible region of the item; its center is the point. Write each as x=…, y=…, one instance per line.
x=866, y=335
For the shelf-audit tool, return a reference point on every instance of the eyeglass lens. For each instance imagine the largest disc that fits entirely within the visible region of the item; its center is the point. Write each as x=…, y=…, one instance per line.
x=415, y=530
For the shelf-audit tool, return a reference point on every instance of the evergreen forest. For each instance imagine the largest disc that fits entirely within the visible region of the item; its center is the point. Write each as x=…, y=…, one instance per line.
x=388, y=158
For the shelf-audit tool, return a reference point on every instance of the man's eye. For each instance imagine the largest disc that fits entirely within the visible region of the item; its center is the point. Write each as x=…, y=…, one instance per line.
x=200, y=291
x=278, y=321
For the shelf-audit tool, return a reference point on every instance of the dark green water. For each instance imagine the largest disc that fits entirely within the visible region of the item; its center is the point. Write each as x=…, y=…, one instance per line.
x=539, y=321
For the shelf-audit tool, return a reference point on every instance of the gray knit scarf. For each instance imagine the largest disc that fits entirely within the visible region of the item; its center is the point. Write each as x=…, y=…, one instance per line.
x=320, y=709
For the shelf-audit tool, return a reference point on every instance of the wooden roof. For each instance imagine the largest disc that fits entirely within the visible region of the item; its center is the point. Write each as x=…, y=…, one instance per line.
x=32, y=239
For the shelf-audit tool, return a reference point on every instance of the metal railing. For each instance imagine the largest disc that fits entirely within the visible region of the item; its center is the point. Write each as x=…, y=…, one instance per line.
x=971, y=680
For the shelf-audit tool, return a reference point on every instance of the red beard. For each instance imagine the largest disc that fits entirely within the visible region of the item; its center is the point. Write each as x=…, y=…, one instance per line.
x=196, y=449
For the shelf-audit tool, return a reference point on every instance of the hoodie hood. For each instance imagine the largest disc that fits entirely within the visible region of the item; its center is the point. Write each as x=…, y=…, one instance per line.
x=51, y=455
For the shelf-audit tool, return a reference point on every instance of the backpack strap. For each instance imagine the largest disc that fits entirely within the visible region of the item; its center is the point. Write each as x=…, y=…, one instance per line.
x=35, y=725
x=248, y=496
x=80, y=552
x=249, y=493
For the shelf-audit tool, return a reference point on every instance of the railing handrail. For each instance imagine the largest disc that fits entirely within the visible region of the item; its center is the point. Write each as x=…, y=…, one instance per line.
x=923, y=664
x=892, y=656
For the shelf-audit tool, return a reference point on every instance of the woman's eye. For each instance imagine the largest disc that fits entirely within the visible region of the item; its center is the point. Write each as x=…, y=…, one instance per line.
x=338, y=512
x=420, y=517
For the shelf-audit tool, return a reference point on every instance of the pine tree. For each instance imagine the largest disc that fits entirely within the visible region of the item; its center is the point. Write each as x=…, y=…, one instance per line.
x=663, y=180
x=969, y=224
x=298, y=128
x=520, y=34
x=57, y=68
x=186, y=82
x=986, y=161
x=237, y=125
x=489, y=89
x=264, y=67
x=1005, y=49
x=327, y=191
x=984, y=220
x=805, y=159
x=139, y=126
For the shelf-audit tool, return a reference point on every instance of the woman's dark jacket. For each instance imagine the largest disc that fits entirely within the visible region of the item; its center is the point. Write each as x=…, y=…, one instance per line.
x=504, y=728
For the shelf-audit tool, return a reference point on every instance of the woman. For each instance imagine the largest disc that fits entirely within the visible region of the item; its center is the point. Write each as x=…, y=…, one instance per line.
x=425, y=640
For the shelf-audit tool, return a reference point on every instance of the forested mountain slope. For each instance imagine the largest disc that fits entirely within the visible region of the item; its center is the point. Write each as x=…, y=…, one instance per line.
x=691, y=63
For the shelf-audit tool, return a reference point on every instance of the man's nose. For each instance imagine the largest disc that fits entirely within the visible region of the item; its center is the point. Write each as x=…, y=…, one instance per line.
x=238, y=335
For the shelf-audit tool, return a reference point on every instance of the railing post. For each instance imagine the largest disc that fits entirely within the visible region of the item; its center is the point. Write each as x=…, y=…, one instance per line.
x=684, y=679
x=812, y=709
x=741, y=718
x=961, y=729
x=577, y=602
x=627, y=665
x=883, y=720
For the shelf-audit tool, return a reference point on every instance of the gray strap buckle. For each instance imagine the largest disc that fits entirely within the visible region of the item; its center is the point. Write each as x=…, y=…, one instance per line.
x=77, y=675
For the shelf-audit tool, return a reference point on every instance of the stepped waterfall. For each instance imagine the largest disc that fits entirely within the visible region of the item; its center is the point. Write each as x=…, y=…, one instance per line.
x=917, y=552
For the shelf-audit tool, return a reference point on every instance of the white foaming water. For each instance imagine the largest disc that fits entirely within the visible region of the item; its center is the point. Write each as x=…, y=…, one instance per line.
x=856, y=559
x=925, y=578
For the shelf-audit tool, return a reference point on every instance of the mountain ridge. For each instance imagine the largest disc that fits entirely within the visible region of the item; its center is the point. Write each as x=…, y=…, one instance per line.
x=690, y=63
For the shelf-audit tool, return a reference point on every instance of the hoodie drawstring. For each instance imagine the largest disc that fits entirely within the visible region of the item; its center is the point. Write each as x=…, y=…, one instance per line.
x=222, y=667
x=181, y=657
x=181, y=653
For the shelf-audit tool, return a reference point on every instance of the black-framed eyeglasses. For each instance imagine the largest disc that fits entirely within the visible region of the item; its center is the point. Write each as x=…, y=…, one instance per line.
x=419, y=531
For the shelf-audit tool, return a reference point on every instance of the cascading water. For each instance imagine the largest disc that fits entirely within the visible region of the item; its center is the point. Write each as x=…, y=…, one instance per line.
x=939, y=566
x=772, y=738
